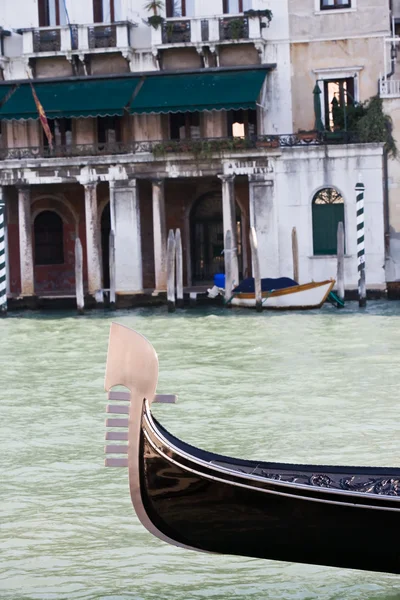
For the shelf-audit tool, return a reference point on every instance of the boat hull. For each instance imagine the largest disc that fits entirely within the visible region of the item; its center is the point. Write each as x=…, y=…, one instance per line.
x=300, y=297
x=203, y=507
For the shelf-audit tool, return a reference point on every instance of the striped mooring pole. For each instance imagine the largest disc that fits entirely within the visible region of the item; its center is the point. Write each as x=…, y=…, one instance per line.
x=362, y=294
x=3, y=266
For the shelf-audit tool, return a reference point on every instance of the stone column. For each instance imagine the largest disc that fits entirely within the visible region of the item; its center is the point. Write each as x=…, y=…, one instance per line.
x=263, y=217
x=25, y=241
x=160, y=236
x=229, y=219
x=93, y=242
x=128, y=239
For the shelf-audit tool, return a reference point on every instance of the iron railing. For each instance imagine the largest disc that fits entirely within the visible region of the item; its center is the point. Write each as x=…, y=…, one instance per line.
x=201, y=147
x=234, y=28
x=103, y=36
x=175, y=32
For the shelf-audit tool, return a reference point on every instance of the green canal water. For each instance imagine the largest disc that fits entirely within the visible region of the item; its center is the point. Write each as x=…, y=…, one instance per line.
x=313, y=387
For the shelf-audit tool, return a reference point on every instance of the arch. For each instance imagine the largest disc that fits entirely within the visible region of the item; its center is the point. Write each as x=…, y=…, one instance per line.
x=49, y=238
x=207, y=237
x=57, y=203
x=327, y=213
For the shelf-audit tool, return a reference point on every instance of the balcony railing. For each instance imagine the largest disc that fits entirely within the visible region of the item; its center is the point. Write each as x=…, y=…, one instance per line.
x=176, y=32
x=85, y=38
x=198, y=30
x=199, y=147
x=104, y=36
x=389, y=88
x=234, y=28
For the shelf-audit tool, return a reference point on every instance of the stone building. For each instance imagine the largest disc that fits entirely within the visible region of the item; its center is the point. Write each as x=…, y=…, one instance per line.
x=203, y=119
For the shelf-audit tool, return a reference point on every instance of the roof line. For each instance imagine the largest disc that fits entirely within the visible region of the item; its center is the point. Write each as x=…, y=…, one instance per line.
x=265, y=67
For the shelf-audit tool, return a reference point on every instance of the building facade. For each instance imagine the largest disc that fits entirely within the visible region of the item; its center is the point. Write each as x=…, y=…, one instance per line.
x=199, y=115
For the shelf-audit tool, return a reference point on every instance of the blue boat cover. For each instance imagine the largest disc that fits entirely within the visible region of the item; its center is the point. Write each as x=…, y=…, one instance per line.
x=267, y=285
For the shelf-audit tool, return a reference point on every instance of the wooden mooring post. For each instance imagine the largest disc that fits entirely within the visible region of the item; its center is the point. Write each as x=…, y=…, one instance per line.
x=171, y=251
x=256, y=269
x=179, y=269
x=112, y=269
x=3, y=260
x=295, y=253
x=80, y=298
x=228, y=268
x=340, y=262
x=362, y=291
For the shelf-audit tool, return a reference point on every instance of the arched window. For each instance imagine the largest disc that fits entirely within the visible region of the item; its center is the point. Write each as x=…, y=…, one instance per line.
x=49, y=239
x=327, y=212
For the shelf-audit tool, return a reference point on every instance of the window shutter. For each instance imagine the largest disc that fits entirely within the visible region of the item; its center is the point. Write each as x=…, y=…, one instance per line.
x=170, y=8
x=43, y=7
x=97, y=11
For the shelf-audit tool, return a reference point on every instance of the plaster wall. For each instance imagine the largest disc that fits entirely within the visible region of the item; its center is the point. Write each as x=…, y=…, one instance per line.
x=298, y=175
x=341, y=58
x=53, y=67
x=147, y=127
x=392, y=107
x=365, y=18
x=84, y=131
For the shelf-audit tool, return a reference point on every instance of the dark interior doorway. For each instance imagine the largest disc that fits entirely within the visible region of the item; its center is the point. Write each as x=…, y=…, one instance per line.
x=207, y=238
x=105, y=245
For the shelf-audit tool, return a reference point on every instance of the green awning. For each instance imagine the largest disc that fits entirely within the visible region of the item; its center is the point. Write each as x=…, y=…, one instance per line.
x=226, y=90
x=158, y=93
x=87, y=98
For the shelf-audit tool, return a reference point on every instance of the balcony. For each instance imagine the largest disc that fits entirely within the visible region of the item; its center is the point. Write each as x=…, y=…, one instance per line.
x=200, y=31
x=94, y=38
x=389, y=88
x=198, y=148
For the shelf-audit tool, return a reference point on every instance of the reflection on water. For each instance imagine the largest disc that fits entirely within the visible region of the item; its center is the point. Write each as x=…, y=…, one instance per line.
x=320, y=387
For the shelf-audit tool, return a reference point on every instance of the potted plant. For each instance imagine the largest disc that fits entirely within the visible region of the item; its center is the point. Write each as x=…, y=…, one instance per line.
x=252, y=14
x=236, y=28
x=155, y=20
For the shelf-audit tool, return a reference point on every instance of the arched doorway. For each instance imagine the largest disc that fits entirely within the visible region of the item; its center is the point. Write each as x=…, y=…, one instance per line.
x=105, y=245
x=207, y=238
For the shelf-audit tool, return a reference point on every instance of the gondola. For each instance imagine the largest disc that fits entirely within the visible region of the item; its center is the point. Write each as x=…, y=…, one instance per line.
x=346, y=517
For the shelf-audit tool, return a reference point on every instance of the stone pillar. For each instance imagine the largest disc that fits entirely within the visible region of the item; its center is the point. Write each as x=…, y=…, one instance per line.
x=25, y=241
x=263, y=217
x=229, y=219
x=128, y=239
x=160, y=236
x=93, y=242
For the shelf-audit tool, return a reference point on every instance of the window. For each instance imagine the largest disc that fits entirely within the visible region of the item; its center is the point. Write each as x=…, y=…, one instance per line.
x=338, y=95
x=235, y=7
x=61, y=130
x=184, y=126
x=180, y=8
x=104, y=11
x=109, y=130
x=327, y=213
x=49, y=239
x=52, y=13
x=242, y=123
x=332, y=4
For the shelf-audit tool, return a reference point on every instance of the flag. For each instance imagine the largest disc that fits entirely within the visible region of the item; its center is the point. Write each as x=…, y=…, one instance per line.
x=42, y=117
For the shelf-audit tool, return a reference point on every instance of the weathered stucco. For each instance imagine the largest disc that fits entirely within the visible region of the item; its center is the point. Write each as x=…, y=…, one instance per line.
x=306, y=21
x=392, y=107
x=348, y=57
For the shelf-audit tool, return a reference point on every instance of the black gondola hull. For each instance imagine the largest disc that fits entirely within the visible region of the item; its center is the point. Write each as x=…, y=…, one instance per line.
x=212, y=509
